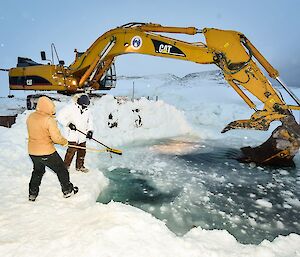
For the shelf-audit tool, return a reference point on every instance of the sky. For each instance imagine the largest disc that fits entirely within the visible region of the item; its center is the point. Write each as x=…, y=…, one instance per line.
x=28, y=27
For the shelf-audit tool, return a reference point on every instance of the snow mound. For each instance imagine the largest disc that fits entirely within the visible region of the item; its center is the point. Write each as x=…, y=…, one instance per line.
x=120, y=123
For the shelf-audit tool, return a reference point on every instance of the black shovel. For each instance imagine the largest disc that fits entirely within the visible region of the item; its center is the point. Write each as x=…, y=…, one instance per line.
x=108, y=149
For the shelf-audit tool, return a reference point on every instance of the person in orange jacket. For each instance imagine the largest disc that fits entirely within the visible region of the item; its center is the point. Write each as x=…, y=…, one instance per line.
x=43, y=134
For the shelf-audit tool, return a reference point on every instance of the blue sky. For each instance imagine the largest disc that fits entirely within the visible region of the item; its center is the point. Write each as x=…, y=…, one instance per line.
x=27, y=27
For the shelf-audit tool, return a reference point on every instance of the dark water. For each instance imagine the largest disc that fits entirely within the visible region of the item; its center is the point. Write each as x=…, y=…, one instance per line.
x=207, y=187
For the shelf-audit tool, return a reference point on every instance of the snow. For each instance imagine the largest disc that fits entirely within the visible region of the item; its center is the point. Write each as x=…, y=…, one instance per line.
x=79, y=226
x=159, y=120
x=11, y=107
x=264, y=203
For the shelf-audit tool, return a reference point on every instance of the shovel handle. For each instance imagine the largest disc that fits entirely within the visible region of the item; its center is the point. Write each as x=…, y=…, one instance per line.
x=115, y=151
x=108, y=149
x=93, y=139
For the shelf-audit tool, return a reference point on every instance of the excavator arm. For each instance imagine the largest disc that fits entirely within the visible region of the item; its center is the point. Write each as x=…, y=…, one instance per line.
x=231, y=51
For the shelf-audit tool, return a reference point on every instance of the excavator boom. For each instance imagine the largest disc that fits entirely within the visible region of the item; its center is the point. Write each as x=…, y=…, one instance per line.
x=231, y=51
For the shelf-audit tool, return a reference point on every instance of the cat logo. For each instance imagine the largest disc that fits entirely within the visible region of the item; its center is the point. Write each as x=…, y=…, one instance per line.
x=29, y=82
x=165, y=48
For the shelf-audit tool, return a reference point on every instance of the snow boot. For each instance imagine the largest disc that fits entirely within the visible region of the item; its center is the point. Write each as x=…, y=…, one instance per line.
x=83, y=169
x=70, y=192
x=32, y=198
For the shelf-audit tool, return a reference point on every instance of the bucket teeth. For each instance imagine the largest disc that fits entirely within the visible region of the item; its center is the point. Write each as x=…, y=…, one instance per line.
x=261, y=124
x=260, y=120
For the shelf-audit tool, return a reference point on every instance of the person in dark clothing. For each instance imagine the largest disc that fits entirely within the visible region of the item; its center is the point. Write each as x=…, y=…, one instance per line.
x=55, y=163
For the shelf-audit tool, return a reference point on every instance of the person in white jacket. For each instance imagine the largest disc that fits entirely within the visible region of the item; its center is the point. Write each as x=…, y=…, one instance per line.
x=74, y=117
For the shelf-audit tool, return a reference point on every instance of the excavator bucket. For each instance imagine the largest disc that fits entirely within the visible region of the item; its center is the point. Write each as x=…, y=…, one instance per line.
x=278, y=150
x=267, y=154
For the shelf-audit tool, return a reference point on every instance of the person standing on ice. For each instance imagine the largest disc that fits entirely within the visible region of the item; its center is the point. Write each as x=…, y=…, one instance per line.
x=43, y=133
x=77, y=117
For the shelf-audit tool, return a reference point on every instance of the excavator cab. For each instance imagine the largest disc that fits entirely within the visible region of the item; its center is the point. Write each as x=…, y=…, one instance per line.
x=109, y=80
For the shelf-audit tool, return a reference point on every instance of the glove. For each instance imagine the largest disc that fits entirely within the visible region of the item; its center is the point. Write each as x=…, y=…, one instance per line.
x=72, y=126
x=89, y=134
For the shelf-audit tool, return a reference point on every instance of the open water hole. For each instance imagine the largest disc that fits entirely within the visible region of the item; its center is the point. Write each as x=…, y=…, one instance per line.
x=188, y=184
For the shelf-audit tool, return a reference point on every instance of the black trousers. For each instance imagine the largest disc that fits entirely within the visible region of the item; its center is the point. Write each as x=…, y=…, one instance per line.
x=55, y=163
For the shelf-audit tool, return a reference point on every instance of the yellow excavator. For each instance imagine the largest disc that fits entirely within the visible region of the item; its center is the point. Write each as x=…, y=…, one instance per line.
x=231, y=51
